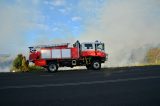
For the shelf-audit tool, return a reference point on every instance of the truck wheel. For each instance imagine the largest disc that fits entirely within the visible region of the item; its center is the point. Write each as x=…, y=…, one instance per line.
x=96, y=65
x=52, y=67
x=89, y=67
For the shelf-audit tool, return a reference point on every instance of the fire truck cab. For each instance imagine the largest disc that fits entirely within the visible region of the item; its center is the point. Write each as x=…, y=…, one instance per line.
x=89, y=54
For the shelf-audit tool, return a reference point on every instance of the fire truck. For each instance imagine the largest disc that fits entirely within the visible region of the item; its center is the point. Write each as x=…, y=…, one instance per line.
x=89, y=54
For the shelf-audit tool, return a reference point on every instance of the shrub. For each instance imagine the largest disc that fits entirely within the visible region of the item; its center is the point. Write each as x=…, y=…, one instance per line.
x=153, y=56
x=34, y=68
x=19, y=64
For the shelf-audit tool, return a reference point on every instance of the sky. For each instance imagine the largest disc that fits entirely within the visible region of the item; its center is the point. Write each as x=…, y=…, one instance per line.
x=126, y=26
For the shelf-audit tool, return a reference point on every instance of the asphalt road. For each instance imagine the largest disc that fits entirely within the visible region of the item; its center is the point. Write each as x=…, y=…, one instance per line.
x=127, y=86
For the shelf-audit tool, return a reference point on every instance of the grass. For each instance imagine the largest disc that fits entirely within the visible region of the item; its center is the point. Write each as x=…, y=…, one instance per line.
x=34, y=68
x=148, y=64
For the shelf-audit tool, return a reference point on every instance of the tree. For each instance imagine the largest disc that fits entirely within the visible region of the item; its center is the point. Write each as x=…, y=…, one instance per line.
x=20, y=64
x=17, y=63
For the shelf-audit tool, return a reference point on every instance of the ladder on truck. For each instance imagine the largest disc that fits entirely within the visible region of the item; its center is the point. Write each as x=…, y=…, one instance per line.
x=50, y=46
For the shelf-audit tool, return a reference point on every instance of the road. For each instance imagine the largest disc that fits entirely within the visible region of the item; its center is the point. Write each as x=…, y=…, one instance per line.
x=126, y=86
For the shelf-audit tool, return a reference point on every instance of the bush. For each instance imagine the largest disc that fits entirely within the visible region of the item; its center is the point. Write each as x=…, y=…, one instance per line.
x=20, y=64
x=17, y=63
x=153, y=56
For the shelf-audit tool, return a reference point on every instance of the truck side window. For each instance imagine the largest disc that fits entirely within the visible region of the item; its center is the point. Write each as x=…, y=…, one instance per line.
x=88, y=46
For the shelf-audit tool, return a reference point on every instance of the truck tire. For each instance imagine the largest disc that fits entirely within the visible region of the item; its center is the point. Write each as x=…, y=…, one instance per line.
x=96, y=65
x=52, y=67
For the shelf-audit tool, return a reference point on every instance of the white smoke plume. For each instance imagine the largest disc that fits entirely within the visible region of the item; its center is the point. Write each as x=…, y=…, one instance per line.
x=5, y=63
x=6, y=69
x=16, y=20
x=125, y=26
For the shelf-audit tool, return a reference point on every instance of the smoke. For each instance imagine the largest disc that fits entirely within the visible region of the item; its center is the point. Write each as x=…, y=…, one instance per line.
x=125, y=26
x=6, y=69
x=5, y=63
x=16, y=21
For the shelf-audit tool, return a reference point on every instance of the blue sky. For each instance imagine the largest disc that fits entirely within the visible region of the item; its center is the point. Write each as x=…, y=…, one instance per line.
x=56, y=18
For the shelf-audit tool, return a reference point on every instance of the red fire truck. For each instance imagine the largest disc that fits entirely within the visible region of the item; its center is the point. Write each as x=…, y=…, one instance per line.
x=89, y=54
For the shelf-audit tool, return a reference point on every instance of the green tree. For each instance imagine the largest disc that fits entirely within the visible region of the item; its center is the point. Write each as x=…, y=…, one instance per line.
x=20, y=64
x=17, y=63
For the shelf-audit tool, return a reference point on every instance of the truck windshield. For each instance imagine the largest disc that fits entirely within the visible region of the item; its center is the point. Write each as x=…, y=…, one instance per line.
x=100, y=46
x=32, y=49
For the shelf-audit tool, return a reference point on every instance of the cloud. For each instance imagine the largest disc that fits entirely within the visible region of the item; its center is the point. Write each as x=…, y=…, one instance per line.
x=51, y=8
x=36, y=2
x=89, y=8
x=42, y=27
x=62, y=10
x=65, y=10
x=76, y=18
x=124, y=26
x=58, y=2
x=46, y=2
